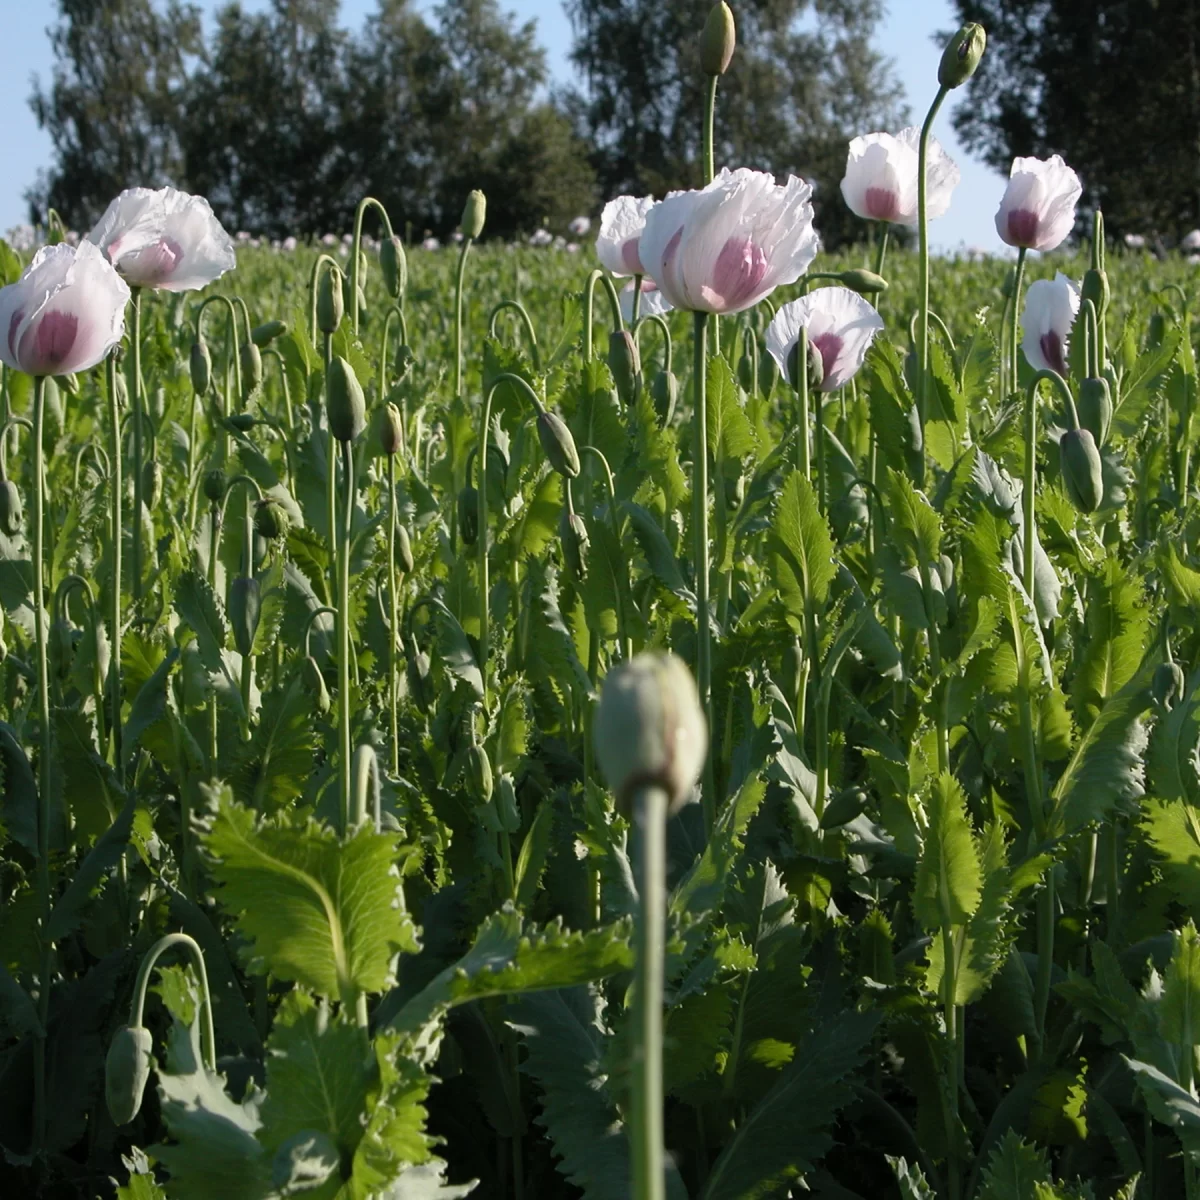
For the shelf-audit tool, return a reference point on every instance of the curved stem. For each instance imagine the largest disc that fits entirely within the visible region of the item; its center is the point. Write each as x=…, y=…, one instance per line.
x=517, y=307
x=356, y=250
x=324, y=610
x=885, y=233
x=138, y=1003
x=458, y=316
x=314, y=278
x=661, y=321
x=289, y=415
x=623, y=638
x=589, y=304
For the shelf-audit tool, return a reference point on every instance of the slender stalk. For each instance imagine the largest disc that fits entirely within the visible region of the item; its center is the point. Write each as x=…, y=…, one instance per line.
x=527, y=324
x=343, y=626
x=819, y=437
x=635, y=308
x=646, y=1100
x=1014, y=317
x=116, y=489
x=138, y=1003
x=700, y=547
x=458, y=316
x=614, y=522
x=885, y=233
x=356, y=249
x=394, y=628
x=803, y=453
x=923, y=226
x=135, y=392
x=950, y=1009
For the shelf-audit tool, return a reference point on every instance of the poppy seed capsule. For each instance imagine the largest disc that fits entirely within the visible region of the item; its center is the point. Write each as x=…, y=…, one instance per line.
x=245, y=605
x=718, y=41
x=331, y=305
x=573, y=536
x=345, y=404
x=768, y=374
x=650, y=729
x=468, y=515
x=625, y=363
x=10, y=508
x=393, y=265
x=200, y=367
x=404, y=554
x=313, y=683
x=252, y=369
x=126, y=1070
x=152, y=483
x=267, y=332
x=391, y=432
x=478, y=774
x=1082, y=470
x=271, y=519
x=1168, y=684
x=474, y=214
x=961, y=57
x=214, y=485
x=1095, y=408
x=558, y=443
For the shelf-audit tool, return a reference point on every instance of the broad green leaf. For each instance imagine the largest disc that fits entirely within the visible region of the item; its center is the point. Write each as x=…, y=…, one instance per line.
x=949, y=876
x=91, y=785
x=1117, y=629
x=1173, y=828
x=19, y=798
x=730, y=436
x=805, y=555
x=1174, y=760
x=531, y=862
x=273, y=767
x=1014, y=1170
x=658, y=552
x=1179, y=1009
x=1170, y=1103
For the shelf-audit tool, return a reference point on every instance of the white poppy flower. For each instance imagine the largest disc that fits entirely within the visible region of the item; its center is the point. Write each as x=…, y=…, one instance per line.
x=841, y=327
x=1037, y=211
x=430, y=243
x=1051, y=306
x=1191, y=242
x=64, y=314
x=164, y=239
x=881, y=177
x=621, y=226
x=653, y=304
x=724, y=248
x=579, y=226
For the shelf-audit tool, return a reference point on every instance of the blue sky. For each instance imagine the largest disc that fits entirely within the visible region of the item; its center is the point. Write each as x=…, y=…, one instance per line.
x=905, y=36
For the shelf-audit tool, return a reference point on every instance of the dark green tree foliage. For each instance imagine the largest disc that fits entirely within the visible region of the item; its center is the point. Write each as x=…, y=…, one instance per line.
x=111, y=107
x=1113, y=86
x=804, y=80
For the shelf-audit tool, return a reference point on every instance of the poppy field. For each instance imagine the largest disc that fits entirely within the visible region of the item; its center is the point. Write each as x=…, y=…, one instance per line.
x=675, y=714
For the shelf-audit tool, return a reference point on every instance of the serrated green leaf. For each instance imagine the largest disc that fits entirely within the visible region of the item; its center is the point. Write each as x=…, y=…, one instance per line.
x=1014, y=1170
x=949, y=876
x=271, y=769
x=730, y=436
x=807, y=563
x=1117, y=628
x=1172, y=827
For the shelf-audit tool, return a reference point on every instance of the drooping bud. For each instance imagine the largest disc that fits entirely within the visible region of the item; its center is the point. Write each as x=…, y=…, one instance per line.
x=573, y=535
x=625, y=363
x=200, y=367
x=478, y=774
x=792, y=670
x=961, y=57
x=816, y=368
x=313, y=683
x=331, y=305
x=650, y=728
x=417, y=675
x=558, y=443
x=664, y=389
x=1082, y=470
x=245, y=607
x=393, y=264
x=345, y=404
x=243, y=422
x=404, y=554
x=1095, y=408
x=718, y=41
x=474, y=214
x=865, y=283
x=745, y=372
x=126, y=1070
x=391, y=431
x=214, y=485
x=1168, y=685
x=61, y=648
x=267, y=332
x=271, y=519
x=468, y=514
x=768, y=374
x=10, y=508
x=1095, y=288
x=252, y=369
x=152, y=483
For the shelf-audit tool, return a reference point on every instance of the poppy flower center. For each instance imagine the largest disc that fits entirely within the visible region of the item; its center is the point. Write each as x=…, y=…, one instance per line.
x=153, y=264
x=1022, y=227
x=1053, y=352
x=883, y=204
x=47, y=342
x=829, y=346
x=737, y=275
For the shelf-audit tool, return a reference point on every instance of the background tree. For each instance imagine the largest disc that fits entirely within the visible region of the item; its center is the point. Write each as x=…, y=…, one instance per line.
x=1113, y=86
x=112, y=105
x=804, y=80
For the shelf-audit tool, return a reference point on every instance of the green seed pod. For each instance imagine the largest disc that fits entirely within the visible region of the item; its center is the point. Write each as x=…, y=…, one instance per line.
x=393, y=264
x=1156, y=330
x=478, y=774
x=417, y=675
x=1095, y=408
x=313, y=683
x=271, y=520
x=243, y=422
x=650, y=728
x=10, y=508
x=664, y=389
x=331, y=304
x=1168, y=685
x=474, y=214
x=61, y=648
x=768, y=374
x=126, y=1071
x=468, y=515
x=345, y=404
x=152, y=483
x=865, y=283
x=745, y=372
x=267, y=332
x=573, y=536
x=1095, y=288
x=252, y=369
x=558, y=443
x=843, y=807
x=200, y=367
x=961, y=57
x=718, y=41
x=1082, y=470
x=626, y=365
x=214, y=485
x=391, y=431
x=404, y=554
x=245, y=607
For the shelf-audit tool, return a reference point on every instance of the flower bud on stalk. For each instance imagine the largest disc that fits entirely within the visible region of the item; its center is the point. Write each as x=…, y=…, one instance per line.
x=474, y=214
x=479, y=774
x=200, y=367
x=558, y=443
x=1095, y=288
x=267, y=332
x=252, y=370
x=331, y=304
x=1095, y=408
x=816, y=371
x=391, y=432
x=417, y=675
x=745, y=372
x=152, y=483
x=768, y=374
x=468, y=515
x=961, y=57
x=664, y=389
x=393, y=264
x=1168, y=685
x=719, y=40
x=573, y=535
x=313, y=683
x=650, y=729
x=126, y=1071
x=865, y=283
x=626, y=365
x=271, y=520
x=404, y=554
x=214, y=485
x=1082, y=470
x=10, y=508
x=345, y=404
x=245, y=605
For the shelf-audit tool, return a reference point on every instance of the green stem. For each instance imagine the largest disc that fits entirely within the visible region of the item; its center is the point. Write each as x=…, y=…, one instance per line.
x=615, y=524
x=135, y=392
x=819, y=436
x=710, y=108
x=885, y=233
x=523, y=314
x=700, y=547
x=950, y=1009
x=356, y=250
x=138, y=1004
x=1014, y=318
x=394, y=629
x=343, y=625
x=803, y=453
x=116, y=487
x=458, y=317
x=646, y=1097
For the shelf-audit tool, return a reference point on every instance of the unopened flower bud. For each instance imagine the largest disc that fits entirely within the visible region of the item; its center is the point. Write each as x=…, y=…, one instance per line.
x=404, y=554
x=1095, y=408
x=313, y=683
x=152, y=483
x=1095, y=288
x=768, y=374
x=664, y=389
x=245, y=605
x=10, y=508
x=1082, y=470
x=331, y=305
x=200, y=367
x=417, y=675
x=391, y=431
x=625, y=363
x=718, y=41
x=573, y=536
x=468, y=514
x=745, y=372
x=214, y=485
x=345, y=404
x=478, y=774
x=558, y=443
x=393, y=264
x=865, y=283
x=474, y=214
x=961, y=56
x=267, y=332
x=650, y=728
x=252, y=369
x=816, y=368
x=126, y=1071
x=1168, y=685
x=271, y=519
